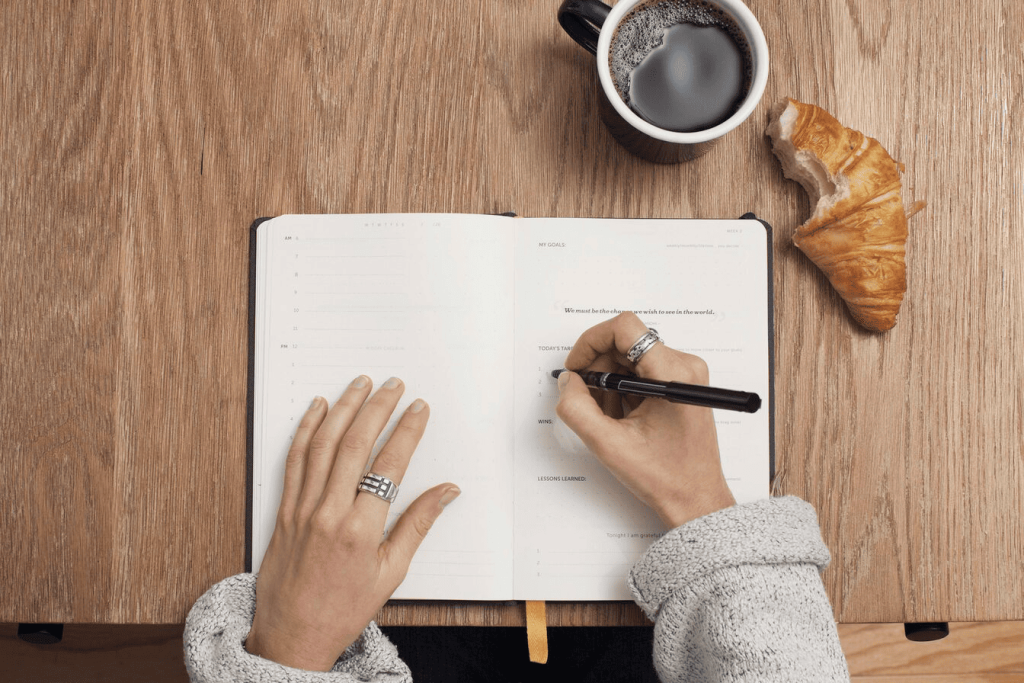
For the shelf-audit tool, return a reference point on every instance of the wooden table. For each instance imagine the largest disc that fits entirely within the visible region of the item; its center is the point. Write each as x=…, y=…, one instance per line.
x=140, y=140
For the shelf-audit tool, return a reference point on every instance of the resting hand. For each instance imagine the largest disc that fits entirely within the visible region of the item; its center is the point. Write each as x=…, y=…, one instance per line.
x=665, y=453
x=326, y=572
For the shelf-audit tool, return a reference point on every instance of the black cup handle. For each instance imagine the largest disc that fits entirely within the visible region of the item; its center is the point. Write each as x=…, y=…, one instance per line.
x=582, y=20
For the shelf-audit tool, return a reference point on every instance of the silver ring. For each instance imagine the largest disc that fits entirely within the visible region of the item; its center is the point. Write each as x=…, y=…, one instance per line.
x=642, y=346
x=382, y=487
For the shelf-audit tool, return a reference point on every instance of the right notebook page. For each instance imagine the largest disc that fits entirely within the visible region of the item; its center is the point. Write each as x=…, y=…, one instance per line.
x=704, y=286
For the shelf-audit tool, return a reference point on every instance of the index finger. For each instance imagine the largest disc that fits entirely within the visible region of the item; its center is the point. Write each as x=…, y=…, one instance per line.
x=615, y=336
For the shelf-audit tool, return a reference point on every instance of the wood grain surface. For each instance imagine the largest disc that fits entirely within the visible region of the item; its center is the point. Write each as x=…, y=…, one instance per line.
x=142, y=139
x=986, y=652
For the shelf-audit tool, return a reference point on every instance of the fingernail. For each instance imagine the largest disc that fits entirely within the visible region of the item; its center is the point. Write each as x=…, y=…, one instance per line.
x=392, y=383
x=563, y=379
x=315, y=403
x=451, y=494
x=417, y=406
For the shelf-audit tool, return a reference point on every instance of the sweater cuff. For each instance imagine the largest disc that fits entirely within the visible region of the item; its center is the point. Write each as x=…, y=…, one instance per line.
x=766, y=532
x=219, y=623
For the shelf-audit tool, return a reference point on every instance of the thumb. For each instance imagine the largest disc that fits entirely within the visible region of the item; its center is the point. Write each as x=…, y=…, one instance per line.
x=412, y=527
x=580, y=412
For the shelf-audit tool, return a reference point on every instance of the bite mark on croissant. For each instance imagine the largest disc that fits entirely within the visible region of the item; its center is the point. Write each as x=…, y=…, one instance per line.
x=858, y=232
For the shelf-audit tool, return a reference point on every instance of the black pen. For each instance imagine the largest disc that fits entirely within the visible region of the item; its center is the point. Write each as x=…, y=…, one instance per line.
x=676, y=392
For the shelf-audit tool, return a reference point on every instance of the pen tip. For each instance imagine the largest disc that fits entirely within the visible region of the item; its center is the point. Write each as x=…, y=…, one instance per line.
x=556, y=373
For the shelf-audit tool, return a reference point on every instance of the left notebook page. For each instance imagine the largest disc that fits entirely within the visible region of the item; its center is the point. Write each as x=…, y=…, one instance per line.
x=427, y=298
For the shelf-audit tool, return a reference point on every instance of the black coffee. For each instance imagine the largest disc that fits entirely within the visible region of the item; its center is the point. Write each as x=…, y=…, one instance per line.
x=683, y=65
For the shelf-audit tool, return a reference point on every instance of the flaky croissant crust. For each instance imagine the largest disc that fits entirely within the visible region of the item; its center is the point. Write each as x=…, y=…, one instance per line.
x=857, y=234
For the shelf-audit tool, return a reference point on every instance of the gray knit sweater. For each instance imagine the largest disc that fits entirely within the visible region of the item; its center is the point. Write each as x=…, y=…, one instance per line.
x=734, y=596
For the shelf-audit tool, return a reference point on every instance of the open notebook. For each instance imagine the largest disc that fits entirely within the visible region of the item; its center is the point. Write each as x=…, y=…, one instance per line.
x=473, y=312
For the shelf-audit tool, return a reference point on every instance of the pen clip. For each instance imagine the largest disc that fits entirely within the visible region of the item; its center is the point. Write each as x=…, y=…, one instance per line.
x=640, y=388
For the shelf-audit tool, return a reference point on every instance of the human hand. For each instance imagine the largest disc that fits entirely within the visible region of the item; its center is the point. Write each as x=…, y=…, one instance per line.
x=665, y=453
x=326, y=572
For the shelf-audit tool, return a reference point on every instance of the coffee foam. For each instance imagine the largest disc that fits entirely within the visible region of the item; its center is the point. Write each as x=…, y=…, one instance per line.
x=643, y=28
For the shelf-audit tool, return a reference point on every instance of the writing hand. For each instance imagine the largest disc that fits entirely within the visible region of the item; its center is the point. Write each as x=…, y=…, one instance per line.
x=665, y=453
x=326, y=572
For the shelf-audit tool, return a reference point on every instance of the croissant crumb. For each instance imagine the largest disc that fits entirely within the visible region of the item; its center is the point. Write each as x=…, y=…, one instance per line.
x=858, y=232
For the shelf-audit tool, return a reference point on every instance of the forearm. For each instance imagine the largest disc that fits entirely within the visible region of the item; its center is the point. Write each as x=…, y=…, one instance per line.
x=737, y=596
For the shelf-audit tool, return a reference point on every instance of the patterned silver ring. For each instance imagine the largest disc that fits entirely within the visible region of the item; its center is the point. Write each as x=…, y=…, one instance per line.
x=642, y=346
x=382, y=487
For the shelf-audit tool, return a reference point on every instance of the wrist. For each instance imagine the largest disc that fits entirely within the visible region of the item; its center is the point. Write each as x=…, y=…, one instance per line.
x=295, y=655
x=694, y=507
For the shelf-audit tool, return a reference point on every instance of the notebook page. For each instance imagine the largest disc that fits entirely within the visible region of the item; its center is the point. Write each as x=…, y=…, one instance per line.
x=703, y=286
x=426, y=298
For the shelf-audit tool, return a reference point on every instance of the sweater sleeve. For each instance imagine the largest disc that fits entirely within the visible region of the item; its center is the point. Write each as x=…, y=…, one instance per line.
x=219, y=622
x=737, y=596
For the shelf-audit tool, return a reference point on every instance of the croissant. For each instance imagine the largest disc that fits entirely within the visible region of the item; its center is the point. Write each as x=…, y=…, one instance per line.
x=858, y=232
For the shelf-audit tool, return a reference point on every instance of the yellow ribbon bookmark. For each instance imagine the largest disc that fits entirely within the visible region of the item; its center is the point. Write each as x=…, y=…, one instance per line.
x=537, y=631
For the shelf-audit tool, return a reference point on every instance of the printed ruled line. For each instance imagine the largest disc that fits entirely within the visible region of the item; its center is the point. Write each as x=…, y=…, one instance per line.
x=482, y=576
x=586, y=564
x=341, y=365
x=337, y=274
x=354, y=366
x=464, y=564
x=350, y=348
x=346, y=381
x=359, y=275
x=389, y=310
x=489, y=552
x=590, y=552
x=335, y=291
x=580, y=571
x=308, y=346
